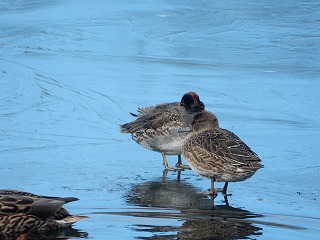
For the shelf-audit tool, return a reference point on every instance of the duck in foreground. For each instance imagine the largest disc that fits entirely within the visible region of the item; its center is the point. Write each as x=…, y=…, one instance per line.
x=216, y=153
x=156, y=127
x=23, y=213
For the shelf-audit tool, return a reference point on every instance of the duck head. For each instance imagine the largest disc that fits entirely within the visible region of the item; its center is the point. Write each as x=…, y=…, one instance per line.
x=201, y=121
x=191, y=101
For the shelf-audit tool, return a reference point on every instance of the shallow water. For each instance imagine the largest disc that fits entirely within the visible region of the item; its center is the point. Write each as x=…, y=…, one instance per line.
x=71, y=72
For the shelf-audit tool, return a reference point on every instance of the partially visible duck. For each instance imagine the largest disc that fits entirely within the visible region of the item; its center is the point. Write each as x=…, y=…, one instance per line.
x=23, y=213
x=217, y=153
x=156, y=127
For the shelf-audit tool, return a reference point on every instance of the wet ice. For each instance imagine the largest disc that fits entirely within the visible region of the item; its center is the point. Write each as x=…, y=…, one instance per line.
x=71, y=72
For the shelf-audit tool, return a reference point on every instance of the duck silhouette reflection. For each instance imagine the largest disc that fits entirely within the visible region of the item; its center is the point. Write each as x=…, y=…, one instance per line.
x=64, y=233
x=202, y=219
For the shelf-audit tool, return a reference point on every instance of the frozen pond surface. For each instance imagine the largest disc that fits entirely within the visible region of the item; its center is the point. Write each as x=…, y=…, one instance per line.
x=71, y=71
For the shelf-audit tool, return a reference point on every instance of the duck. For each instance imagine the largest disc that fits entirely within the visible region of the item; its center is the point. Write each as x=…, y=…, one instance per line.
x=156, y=127
x=216, y=153
x=24, y=212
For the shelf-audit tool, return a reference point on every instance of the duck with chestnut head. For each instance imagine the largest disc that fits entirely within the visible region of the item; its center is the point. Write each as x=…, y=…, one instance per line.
x=156, y=127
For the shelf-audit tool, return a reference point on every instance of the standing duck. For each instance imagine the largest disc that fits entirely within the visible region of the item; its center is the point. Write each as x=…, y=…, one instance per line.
x=217, y=153
x=23, y=213
x=156, y=127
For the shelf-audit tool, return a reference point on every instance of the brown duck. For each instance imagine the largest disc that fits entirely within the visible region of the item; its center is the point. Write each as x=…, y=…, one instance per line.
x=217, y=153
x=23, y=212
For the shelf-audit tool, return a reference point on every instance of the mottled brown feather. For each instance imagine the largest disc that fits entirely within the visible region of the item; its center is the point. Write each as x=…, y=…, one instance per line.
x=24, y=212
x=218, y=153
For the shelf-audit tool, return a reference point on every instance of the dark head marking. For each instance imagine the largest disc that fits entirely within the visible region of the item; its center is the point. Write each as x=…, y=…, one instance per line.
x=191, y=100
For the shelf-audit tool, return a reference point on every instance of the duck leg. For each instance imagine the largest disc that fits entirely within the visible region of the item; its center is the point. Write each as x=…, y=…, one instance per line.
x=180, y=165
x=165, y=162
x=226, y=200
x=212, y=197
x=224, y=189
x=166, y=165
x=212, y=190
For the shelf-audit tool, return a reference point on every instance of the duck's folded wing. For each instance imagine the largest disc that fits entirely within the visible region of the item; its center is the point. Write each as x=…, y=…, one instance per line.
x=223, y=145
x=150, y=122
x=164, y=107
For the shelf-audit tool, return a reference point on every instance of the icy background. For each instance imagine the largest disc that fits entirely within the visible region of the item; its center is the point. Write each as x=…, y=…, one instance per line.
x=71, y=71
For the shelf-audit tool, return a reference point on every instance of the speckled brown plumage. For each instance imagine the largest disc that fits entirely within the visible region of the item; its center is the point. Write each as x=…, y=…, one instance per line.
x=217, y=153
x=22, y=212
x=156, y=128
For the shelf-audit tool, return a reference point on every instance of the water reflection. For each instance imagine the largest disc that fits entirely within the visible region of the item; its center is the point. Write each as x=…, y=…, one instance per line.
x=64, y=233
x=168, y=194
x=202, y=219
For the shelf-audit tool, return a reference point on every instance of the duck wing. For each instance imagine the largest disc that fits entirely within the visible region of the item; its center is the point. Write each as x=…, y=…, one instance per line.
x=151, y=122
x=220, y=145
x=18, y=202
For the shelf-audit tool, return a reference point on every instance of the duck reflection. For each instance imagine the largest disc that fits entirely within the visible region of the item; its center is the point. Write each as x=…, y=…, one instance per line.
x=63, y=233
x=168, y=194
x=202, y=219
